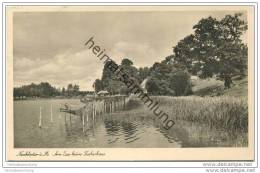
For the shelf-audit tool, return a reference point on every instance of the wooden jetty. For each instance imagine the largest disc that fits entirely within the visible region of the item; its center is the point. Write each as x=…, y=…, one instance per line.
x=94, y=106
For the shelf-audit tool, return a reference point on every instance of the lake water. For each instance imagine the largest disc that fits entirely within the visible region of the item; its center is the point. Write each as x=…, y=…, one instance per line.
x=106, y=131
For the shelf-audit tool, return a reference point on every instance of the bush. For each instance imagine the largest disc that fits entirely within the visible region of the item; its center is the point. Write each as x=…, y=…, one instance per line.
x=175, y=84
x=180, y=83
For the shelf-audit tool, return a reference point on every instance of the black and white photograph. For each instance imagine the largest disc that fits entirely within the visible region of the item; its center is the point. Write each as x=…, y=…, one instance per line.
x=183, y=79
x=130, y=78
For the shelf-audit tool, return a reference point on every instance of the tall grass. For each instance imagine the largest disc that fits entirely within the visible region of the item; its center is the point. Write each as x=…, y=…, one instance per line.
x=225, y=112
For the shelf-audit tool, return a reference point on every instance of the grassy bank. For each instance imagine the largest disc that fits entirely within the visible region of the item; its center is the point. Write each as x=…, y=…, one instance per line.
x=213, y=87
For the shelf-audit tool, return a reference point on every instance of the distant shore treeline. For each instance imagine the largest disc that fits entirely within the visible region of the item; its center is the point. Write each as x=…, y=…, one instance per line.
x=45, y=90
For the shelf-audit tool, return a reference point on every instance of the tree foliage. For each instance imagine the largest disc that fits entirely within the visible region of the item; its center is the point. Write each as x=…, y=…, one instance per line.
x=110, y=82
x=164, y=78
x=44, y=89
x=168, y=79
x=215, y=48
x=98, y=85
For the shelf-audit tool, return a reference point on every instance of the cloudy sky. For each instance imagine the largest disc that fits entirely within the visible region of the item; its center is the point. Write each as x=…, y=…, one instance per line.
x=49, y=46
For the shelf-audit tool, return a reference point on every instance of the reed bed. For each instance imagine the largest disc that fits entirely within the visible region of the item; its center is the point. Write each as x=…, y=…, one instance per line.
x=225, y=112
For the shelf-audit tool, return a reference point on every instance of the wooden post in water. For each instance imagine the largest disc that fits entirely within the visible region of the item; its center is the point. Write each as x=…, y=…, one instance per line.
x=110, y=106
x=107, y=106
x=124, y=103
x=70, y=120
x=40, y=118
x=83, y=122
x=93, y=111
x=87, y=119
x=51, y=114
x=113, y=106
x=93, y=115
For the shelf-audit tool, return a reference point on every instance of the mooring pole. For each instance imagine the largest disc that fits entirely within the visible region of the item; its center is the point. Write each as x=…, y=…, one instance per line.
x=65, y=114
x=51, y=114
x=124, y=102
x=110, y=106
x=40, y=118
x=113, y=105
x=93, y=111
x=93, y=117
x=83, y=122
x=70, y=119
x=87, y=118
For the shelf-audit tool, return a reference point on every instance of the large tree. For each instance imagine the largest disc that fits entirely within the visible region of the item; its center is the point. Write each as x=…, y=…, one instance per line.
x=216, y=48
x=98, y=86
x=143, y=72
x=111, y=83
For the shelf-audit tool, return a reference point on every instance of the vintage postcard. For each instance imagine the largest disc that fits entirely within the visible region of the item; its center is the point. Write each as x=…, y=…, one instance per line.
x=130, y=83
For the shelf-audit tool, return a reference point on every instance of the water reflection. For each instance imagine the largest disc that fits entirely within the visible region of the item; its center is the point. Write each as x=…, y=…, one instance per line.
x=112, y=127
x=122, y=130
x=119, y=131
